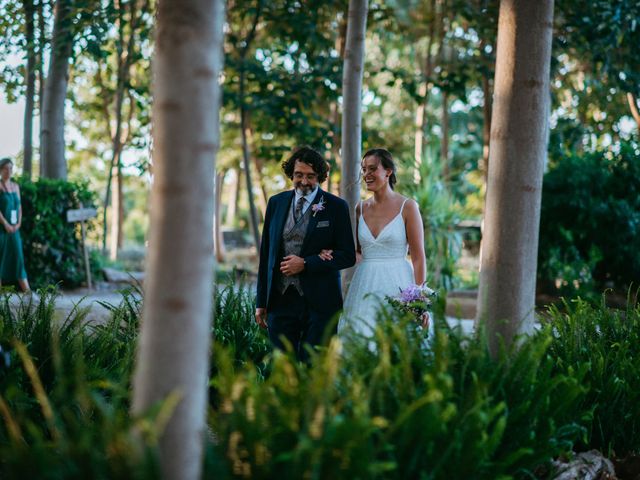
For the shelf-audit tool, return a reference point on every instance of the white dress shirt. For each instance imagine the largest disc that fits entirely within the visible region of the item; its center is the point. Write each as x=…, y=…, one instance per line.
x=308, y=199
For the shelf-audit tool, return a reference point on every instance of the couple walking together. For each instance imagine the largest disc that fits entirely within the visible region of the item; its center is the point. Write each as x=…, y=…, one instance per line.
x=307, y=239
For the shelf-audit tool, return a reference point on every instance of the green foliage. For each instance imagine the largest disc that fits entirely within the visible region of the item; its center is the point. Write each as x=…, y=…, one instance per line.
x=398, y=408
x=440, y=213
x=605, y=344
x=590, y=222
x=64, y=397
x=233, y=324
x=52, y=247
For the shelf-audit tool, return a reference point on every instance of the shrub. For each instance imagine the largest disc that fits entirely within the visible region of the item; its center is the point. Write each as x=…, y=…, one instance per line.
x=52, y=248
x=64, y=397
x=396, y=409
x=590, y=222
x=605, y=343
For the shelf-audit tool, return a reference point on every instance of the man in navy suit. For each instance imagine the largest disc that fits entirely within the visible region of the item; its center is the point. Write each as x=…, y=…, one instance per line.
x=299, y=292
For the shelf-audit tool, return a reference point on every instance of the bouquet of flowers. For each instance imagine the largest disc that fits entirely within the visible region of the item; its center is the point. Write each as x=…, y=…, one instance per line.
x=415, y=300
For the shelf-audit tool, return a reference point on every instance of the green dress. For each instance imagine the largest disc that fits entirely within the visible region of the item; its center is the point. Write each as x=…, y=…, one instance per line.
x=11, y=257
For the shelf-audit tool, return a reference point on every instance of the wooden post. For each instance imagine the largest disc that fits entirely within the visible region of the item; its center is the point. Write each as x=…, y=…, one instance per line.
x=82, y=215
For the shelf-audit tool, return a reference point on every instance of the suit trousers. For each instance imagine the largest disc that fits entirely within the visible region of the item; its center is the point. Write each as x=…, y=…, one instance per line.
x=293, y=324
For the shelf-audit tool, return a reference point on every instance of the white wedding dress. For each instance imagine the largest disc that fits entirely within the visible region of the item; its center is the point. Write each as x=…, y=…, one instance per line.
x=384, y=270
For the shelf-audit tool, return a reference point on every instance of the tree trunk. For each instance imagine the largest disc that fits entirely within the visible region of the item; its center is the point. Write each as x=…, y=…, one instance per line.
x=444, y=148
x=334, y=109
x=234, y=198
x=633, y=105
x=423, y=91
x=42, y=39
x=352, y=110
x=29, y=11
x=173, y=357
x=218, y=238
x=519, y=136
x=117, y=210
x=53, y=163
x=258, y=166
x=246, y=162
x=486, y=125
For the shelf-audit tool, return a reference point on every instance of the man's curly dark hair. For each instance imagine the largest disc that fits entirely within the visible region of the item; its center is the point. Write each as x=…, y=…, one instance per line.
x=309, y=156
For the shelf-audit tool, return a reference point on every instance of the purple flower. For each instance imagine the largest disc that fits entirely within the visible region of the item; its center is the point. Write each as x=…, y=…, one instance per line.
x=318, y=207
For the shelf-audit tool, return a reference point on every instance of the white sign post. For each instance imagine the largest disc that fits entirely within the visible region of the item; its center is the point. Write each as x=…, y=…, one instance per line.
x=82, y=215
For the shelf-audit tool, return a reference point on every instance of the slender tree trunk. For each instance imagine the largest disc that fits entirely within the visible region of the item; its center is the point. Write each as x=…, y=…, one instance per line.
x=53, y=163
x=258, y=166
x=246, y=162
x=423, y=91
x=218, y=238
x=334, y=109
x=244, y=126
x=444, y=149
x=234, y=198
x=633, y=106
x=173, y=356
x=117, y=210
x=42, y=39
x=352, y=110
x=519, y=136
x=486, y=125
x=29, y=11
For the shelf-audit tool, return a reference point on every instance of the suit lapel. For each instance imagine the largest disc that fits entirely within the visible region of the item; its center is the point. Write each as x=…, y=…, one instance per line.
x=313, y=220
x=281, y=217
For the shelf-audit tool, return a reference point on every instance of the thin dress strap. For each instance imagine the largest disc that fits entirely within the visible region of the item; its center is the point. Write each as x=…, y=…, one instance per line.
x=402, y=207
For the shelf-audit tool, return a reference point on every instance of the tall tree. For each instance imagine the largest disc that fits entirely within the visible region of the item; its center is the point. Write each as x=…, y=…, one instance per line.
x=506, y=297
x=174, y=342
x=352, y=104
x=52, y=147
x=30, y=78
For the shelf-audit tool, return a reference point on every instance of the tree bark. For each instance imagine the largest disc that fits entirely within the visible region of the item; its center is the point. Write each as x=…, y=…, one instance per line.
x=52, y=162
x=633, y=106
x=174, y=348
x=42, y=38
x=234, y=198
x=486, y=125
x=218, y=238
x=29, y=11
x=334, y=109
x=352, y=110
x=117, y=210
x=444, y=149
x=423, y=91
x=519, y=136
x=244, y=128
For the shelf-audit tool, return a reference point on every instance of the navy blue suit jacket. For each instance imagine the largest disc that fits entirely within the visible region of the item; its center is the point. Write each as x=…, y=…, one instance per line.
x=329, y=228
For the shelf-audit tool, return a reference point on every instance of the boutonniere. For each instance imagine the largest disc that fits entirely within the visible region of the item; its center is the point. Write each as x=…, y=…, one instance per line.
x=318, y=207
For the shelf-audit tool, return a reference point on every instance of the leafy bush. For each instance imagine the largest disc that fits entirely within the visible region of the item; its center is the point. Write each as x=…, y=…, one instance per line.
x=590, y=222
x=604, y=343
x=64, y=397
x=52, y=248
x=396, y=409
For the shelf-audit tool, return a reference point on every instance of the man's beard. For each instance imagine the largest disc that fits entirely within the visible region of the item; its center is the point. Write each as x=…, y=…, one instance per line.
x=304, y=190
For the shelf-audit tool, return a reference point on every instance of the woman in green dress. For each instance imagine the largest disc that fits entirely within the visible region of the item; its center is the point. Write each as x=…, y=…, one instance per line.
x=11, y=257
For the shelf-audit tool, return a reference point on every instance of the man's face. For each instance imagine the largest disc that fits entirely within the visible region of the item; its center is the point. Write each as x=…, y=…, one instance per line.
x=305, y=180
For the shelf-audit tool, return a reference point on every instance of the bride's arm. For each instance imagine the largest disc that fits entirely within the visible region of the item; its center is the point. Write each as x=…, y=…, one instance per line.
x=415, y=239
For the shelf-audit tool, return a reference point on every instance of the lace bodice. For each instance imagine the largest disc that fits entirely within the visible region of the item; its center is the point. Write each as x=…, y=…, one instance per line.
x=391, y=242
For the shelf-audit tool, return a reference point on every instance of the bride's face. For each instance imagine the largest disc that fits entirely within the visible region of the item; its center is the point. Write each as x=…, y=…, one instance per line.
x=374, y=174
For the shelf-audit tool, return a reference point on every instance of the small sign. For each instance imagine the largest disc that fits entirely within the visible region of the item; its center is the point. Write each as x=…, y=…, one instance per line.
x=81, y=214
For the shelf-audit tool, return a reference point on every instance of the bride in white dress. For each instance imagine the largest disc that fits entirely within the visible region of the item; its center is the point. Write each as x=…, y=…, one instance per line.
x=388, y=226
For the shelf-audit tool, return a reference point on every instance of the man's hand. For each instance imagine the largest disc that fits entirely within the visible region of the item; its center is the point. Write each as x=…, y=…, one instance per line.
x=291, y=265
x=261, y=317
